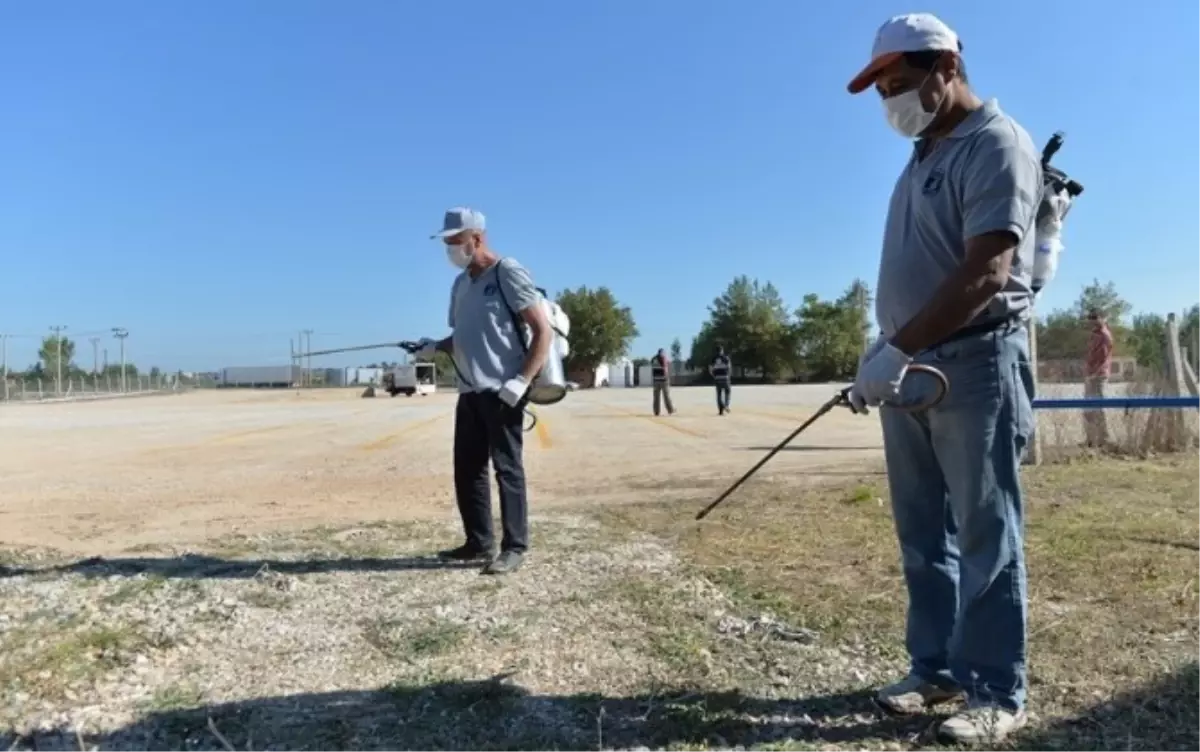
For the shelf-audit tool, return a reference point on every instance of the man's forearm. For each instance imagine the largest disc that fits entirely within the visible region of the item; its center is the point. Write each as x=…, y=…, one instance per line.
x=958, y=300
x=536, y=357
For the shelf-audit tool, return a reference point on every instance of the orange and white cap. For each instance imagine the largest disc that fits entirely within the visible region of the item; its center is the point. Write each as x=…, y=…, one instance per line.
x=912, y=32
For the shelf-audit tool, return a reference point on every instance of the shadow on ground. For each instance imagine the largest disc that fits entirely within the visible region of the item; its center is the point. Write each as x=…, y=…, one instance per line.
x=813, y=448
x=194, y=566
x=1162, y=715
x=498, y=714
x=493, y=714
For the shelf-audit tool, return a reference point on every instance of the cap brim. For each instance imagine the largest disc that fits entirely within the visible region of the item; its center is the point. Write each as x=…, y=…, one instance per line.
x=867, y=76
x=447, y=233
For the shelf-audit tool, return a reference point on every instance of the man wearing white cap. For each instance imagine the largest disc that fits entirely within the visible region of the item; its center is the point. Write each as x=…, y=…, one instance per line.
x=954, y=292
x=490, y=303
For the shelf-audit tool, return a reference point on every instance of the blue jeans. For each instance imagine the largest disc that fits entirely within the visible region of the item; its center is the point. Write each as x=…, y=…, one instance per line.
x=953, y=472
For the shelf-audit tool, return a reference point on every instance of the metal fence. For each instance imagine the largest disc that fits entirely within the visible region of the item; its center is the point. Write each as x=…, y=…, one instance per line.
x=87, y=387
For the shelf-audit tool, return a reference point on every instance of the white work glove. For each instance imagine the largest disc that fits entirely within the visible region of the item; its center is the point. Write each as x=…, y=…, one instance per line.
x=427, y=347
x=513, y=390
x=879, y=376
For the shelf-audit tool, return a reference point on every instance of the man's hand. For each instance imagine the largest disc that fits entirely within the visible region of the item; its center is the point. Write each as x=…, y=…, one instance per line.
x=879, y=377
x=513, y=391
x=427, y=347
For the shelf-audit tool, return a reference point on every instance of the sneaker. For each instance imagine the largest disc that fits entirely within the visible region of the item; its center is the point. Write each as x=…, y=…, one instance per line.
x=467, y=553
x=506, y=563
x=983, y=723
x=913, y=696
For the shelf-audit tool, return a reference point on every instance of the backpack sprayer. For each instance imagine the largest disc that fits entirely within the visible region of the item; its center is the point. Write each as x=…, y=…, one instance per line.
x=1058, y=193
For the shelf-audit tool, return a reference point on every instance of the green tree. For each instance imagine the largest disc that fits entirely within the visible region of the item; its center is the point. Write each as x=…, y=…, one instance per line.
x=830, y=335
x=1063, y=334
x=1147, y=340
x=676, y=351
x=752, y=323
x=50, y=352
x=601, y=328
x=1104, y=298
x=1189, y=331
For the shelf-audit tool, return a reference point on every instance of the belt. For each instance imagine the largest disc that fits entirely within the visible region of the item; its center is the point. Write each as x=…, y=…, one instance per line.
x=975, y=330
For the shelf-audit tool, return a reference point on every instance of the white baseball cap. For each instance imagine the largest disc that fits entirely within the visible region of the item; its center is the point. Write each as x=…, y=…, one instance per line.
x=912, y=32
x=460, y=219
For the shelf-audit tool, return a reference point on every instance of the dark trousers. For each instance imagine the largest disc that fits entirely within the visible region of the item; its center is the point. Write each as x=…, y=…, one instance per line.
x=662, y=393
x=722, y=397
x=486, y=428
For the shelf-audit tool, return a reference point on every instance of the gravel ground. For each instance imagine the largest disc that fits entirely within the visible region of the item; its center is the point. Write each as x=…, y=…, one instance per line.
x=361, y=626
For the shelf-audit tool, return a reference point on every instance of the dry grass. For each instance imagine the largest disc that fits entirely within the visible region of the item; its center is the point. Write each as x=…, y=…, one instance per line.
x=765, y=627
x=1112, y=551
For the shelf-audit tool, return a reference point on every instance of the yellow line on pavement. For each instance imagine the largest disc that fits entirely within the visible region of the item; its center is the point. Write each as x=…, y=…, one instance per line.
x=543, y=434
x=669, y=423
x=391, y=438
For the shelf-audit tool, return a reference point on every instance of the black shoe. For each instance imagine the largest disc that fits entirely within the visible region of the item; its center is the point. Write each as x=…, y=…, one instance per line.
x=506, y=563
x=467, y=553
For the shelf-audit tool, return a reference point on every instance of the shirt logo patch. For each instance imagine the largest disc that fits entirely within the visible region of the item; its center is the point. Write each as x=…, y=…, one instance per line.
x=933, y=183
x=489, y=289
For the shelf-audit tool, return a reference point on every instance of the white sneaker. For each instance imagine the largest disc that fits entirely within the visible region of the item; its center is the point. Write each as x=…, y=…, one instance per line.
x=913, y=696
x=984, y=723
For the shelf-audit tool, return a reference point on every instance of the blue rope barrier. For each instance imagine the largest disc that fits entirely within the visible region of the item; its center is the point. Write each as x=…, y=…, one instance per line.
x=1115, y=402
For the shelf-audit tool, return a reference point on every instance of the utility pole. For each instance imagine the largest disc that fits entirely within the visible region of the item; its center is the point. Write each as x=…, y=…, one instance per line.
x=95, y=355
x=120, y=333
x=58, y=358
x=863, y=321
x=307, y=358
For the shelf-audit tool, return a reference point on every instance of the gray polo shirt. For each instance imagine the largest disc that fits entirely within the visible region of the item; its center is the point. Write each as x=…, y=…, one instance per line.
x=487, y=347
x=984, y=177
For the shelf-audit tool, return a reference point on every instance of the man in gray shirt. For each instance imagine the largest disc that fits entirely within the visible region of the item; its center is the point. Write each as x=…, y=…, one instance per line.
x=954, y=292
x=492, y=302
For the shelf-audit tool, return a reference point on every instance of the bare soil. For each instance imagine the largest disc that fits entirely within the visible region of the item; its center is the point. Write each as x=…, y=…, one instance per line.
x=104, y=477
x=255, y=571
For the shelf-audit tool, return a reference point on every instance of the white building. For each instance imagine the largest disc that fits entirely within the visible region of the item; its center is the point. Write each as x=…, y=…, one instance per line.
x=618, y=374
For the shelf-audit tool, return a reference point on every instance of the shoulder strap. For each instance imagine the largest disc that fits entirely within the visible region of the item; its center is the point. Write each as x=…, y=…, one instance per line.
x=518, y=324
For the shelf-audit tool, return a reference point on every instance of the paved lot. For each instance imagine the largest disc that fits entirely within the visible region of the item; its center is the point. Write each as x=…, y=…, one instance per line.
x=104, y=477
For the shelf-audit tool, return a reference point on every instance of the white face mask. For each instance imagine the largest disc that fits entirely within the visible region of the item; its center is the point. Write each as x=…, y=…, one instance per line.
x=458, y=255
x=907, y=114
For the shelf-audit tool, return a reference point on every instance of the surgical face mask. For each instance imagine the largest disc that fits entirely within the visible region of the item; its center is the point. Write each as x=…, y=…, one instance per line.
x=459, y=255
x=907, y=115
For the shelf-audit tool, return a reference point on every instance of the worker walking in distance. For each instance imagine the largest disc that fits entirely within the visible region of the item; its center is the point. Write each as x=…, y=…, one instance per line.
x=721, y=369
x=1097, y=367
x=489, y=301
x=660, y=374
x=954, y=291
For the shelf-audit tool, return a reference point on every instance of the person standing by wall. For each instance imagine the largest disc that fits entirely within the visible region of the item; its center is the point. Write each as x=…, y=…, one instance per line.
x=954, y=292
x=1097, y=367
x=721, y=369
x=495, y=372
x=660, y=374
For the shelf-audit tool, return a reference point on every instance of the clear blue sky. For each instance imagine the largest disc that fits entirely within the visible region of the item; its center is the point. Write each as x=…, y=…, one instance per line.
x=217, y=175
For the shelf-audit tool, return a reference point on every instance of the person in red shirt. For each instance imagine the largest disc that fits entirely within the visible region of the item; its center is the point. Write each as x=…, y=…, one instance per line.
x=1096, y=370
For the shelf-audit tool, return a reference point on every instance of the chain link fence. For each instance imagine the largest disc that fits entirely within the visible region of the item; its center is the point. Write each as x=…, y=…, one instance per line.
x=103, y=386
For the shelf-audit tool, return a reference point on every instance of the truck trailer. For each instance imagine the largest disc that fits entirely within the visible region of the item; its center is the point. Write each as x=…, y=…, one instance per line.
x=410, y=379
x=260, y=377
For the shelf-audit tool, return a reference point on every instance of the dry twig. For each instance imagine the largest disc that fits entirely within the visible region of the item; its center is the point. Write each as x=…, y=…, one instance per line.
x=212, y=726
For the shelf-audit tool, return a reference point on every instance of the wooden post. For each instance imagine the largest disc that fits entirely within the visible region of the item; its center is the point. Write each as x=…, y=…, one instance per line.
x=1176, y=383
x=1033, y=453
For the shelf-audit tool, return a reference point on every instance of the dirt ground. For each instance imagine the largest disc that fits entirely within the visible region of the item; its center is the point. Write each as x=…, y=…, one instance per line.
x=106, y=477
